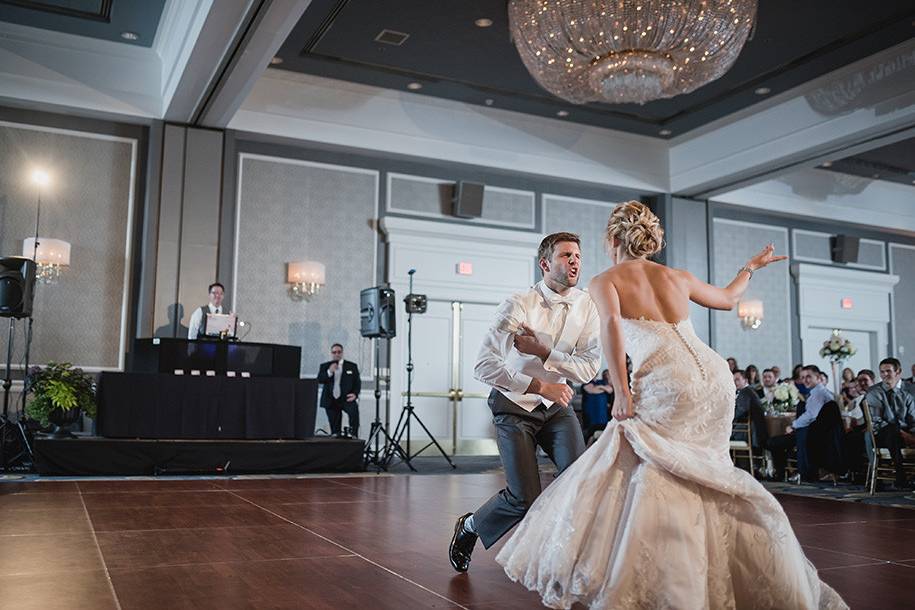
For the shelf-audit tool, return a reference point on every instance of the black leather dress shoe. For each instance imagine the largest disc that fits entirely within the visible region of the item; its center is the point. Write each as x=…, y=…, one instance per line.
x=461, y=545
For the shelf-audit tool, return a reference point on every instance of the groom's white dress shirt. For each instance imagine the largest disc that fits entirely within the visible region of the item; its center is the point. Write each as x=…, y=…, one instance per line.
x=568, y=323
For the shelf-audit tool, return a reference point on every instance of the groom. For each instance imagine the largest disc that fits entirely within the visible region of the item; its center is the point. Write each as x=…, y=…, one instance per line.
x=540, y=338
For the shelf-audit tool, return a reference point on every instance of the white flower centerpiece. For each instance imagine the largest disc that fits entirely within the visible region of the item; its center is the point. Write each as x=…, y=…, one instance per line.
x=785, y=398
x=837, y=349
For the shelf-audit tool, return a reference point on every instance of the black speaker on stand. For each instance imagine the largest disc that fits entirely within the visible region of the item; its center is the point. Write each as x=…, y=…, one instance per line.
x=17, y=289
x=377, y=309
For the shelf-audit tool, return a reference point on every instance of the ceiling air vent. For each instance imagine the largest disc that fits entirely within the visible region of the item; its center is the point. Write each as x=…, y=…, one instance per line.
x=391, y=37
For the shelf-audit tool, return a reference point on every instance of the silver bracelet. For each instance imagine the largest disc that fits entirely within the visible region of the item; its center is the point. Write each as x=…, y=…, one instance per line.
x=747, y=269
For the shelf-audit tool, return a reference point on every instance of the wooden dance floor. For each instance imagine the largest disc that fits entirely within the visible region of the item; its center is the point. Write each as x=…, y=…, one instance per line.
x=336, y=542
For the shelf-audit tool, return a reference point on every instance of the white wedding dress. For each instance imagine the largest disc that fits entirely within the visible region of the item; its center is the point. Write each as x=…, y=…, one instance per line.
x=654, y=514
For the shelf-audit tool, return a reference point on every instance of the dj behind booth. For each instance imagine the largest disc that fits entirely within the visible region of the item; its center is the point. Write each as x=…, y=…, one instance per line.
x=212, y=320
x=209, y=387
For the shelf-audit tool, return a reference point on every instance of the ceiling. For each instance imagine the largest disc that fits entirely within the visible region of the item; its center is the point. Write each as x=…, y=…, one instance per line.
x=451, y=57
x=892, y=163
x=101, y=19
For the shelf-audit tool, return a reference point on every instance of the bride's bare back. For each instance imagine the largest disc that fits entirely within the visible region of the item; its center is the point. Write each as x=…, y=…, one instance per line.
x=637, y=288
x=647, y=290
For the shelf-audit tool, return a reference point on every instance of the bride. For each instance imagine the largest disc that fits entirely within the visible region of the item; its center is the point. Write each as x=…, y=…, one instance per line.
x=654, y=515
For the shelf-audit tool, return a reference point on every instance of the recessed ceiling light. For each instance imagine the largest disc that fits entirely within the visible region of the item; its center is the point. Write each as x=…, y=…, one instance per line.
x=414, y=86
x=483, y=23
x=391, y=37
x=130, y=36
x=665, y=132
x=275, y=61
x=826, y=164
x=562, y=113
x=762, y=91
x=488, y=102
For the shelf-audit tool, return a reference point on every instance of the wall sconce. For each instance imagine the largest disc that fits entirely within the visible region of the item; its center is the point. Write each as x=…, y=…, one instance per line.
x=306, y=277
x=750, y=314
x=51, y=256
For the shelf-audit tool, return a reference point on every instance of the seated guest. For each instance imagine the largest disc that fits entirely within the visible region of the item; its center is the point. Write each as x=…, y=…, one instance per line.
x=341, y=385
x=777, y=371
x=749, y=405
x=753, y=377
x=732, y=363
x=893, y=414
x=769, y=382
x=798, y=382
x=824, y=379
x=198, y=324
x=855, y=448
x=849, y=383
x=909, y=384
x=596, y=401
x=796, y=435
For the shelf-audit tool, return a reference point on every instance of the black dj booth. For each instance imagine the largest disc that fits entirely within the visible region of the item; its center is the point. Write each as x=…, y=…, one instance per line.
x=185, y=389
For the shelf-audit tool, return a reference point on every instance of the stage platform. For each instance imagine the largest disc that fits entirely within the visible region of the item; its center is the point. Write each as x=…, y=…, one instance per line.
x=358, y=541
x=92, y=456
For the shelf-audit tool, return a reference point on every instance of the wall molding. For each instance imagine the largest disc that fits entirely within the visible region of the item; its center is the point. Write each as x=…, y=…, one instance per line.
x=389, y=206
x=128, y=242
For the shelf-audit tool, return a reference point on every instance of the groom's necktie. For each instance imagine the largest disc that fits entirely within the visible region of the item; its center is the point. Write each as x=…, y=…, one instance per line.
x=560, y=315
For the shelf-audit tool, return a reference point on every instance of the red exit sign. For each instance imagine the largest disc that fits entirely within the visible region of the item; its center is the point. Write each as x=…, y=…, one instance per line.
x=465, y=268
x=847, y=303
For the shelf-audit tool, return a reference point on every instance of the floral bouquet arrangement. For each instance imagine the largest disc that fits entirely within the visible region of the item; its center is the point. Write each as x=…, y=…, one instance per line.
x=837, y=349
x=785, y=398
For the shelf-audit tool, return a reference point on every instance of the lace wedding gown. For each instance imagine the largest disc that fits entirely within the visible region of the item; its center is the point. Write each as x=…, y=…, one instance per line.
x=654, y=514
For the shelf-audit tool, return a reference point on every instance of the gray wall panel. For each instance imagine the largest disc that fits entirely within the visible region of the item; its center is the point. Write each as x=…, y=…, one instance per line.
x=734, y=243
x=688, y=248
x=200, y=217
x=422, y=196
x=290, y=210
x=79, y=319
x=167, y=251
x=902, y=263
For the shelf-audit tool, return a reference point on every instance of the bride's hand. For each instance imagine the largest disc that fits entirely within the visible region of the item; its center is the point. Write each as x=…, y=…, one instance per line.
x=622, y=408
x=765, y=257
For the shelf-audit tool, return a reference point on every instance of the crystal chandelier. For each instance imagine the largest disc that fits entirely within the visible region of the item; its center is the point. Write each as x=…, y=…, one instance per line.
x=622, y=51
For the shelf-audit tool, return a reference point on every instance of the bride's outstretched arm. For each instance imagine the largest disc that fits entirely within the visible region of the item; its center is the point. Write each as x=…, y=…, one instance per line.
x=726, y=298
x=605, y=297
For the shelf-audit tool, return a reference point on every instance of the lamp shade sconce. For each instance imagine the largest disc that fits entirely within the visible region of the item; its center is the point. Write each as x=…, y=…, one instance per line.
x=51, y=256
x=751, y=313
x=306, y=279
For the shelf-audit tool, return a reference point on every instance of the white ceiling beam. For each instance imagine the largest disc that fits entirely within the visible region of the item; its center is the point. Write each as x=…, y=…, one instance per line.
x=268, y=30
x=869, y=100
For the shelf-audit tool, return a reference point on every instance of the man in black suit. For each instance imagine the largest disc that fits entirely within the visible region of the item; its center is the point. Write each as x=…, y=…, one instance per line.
x=748, y=405
x=341, y=385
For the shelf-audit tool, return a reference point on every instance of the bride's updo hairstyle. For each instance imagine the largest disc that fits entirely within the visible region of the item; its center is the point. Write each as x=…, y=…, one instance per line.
x=637, y=228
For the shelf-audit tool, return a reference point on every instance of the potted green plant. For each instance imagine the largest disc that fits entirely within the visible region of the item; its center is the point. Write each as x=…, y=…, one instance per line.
x=59, y=393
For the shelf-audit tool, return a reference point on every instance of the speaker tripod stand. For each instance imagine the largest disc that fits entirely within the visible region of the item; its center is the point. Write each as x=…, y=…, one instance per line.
x=11, y=432
x=379, y=441
x=408, y=413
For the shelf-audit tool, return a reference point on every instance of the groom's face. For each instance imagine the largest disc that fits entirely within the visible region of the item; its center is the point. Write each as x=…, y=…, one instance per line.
x=564, y=266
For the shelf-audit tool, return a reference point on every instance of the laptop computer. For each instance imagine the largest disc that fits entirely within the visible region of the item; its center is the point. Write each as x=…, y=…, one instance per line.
x=219, y=323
